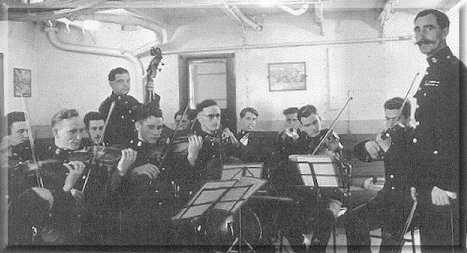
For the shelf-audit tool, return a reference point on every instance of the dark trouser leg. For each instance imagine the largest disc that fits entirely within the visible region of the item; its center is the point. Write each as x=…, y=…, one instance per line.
x=439, y=228
x=361, y=220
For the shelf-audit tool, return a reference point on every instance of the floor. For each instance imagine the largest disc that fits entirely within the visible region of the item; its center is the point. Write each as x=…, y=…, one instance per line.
x=375, y=242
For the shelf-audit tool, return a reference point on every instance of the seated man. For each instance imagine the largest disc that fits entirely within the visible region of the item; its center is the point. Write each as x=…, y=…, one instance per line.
x=148, y=189
x=290, y=134
x=94, y=122
x=390, y=207
x=97, y=186
x=247, y=151
x=313, y=213
x=17, y=147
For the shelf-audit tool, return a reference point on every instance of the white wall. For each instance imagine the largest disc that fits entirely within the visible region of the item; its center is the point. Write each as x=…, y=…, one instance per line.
x=370, y=72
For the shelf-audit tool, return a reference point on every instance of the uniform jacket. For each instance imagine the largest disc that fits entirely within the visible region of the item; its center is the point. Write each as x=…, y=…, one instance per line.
x=435, y=142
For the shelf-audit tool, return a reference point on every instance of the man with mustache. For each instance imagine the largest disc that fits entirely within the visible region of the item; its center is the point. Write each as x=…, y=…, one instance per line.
x=435, y=142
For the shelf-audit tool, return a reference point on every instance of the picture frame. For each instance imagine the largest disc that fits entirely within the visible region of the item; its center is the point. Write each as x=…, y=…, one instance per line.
x=22, y=82
x=287, y=76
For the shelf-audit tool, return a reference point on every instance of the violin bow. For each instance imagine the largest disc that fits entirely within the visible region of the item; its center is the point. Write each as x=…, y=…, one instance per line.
x=40, y=182
x=177, y=127
x=407, y=95
x=101, y=140
x=332, y=126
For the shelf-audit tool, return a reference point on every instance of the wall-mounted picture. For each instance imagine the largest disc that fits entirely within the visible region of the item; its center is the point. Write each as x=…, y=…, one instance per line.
x=22, y=82
x=287, y=76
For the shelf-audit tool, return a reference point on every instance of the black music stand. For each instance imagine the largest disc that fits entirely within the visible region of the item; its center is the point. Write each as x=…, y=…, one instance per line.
x=227, y=195
x=321, y=171
x=237, y=170
x=318, y=171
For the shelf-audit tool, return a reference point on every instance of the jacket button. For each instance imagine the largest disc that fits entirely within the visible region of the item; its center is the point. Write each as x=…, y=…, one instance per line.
x=393, y=188
x=123, y=116
x=391, y=176
x=435, y=152
x=414, y=140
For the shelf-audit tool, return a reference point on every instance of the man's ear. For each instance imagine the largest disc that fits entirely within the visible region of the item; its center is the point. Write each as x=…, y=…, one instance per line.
x=55, y=132
x=137, y=125
x=445, y=32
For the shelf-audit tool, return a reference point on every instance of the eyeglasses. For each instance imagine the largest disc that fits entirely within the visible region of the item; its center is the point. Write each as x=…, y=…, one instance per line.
x=212, y=116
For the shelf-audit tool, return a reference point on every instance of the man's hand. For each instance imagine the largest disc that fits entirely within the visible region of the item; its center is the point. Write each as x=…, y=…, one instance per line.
x=413, y=193
x=373, y=148
x=292, y=132
x=371, y=185
x=441, y=197
x=226, y=133
x=128, y=157
x=195, y=143
x=75, y=169
x=78, y=196
x=148, y=169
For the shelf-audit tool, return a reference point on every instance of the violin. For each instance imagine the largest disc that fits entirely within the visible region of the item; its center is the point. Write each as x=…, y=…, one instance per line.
x=384, y=139
x=109, y=156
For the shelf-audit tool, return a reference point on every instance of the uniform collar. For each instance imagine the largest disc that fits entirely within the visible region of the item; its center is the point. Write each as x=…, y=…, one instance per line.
x=115, y=96
x=441, y=55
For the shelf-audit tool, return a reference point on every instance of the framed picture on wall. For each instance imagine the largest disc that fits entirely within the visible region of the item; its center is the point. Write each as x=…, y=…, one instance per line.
x=287, y=76
x=22, y=82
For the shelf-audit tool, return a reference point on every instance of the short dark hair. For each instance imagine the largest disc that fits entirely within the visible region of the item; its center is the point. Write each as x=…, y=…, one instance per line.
x=147, y=110
x=441, y=18
x=248, y=109
x=117, y=71
x=13, y=117
x=306, y=111
x=290, y=110
x=64, y=114
x=92, y=116
x=204, y=104
x=396, y=103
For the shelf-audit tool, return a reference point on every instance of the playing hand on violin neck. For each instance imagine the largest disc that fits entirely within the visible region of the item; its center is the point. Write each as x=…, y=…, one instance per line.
x=75, y=169
x=195, y=143
x=128, y=157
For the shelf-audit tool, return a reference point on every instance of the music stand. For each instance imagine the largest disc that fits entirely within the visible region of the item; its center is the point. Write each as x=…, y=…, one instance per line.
x=318, y=171
x=237, y=170
x=227, y=195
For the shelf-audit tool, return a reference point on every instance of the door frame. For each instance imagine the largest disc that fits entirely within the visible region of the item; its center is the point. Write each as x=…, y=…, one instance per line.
x=184, y=84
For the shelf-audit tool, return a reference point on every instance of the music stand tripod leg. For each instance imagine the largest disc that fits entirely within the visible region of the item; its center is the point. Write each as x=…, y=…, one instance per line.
x=239, y=238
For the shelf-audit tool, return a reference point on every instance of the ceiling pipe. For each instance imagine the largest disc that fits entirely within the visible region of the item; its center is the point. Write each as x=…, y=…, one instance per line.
x=112, y=52
x=126, y=20
x=245, y=19
x=295, y=44
x=296, y=12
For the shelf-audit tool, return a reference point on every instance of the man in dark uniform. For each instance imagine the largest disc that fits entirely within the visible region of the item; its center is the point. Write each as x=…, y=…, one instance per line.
x=247, y=150
x=286, y=139
x=148, y=188
x=310, y=214
x=18, y=149
x=435, y=142
x=68, y=132
x=390, y=208
x=120, y=129
x=94, y=123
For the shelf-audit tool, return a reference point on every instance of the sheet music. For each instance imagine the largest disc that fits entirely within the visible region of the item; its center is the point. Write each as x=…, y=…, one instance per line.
x=252, y=184
x=324, y=169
